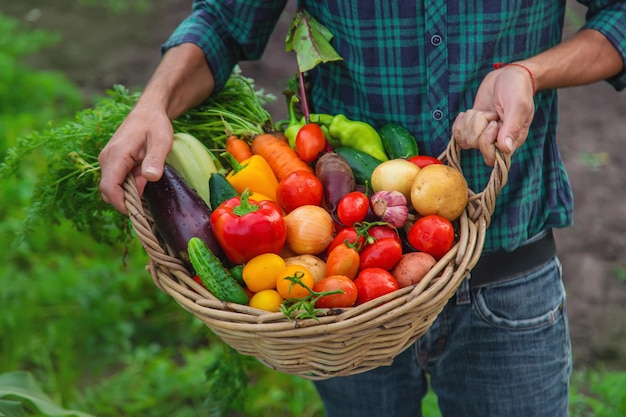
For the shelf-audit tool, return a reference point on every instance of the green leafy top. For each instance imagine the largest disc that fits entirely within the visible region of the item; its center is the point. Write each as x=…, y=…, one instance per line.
x=69, y=187
x=310, y=40
x=19, y=388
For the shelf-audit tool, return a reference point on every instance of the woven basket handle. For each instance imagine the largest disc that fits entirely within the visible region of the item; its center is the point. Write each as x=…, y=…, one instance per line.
x=481, y=203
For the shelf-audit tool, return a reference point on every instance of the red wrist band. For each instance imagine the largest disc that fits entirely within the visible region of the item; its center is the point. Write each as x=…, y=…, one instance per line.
x=499, y=65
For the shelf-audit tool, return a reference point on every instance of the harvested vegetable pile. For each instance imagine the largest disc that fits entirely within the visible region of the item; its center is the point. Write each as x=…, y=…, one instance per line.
x=337, y=229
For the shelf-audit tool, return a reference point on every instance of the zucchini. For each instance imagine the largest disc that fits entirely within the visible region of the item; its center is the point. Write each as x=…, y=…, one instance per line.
x=194, y=163
x=220, y=190
x=215, y=277
x=398, y=141
x=362, y=164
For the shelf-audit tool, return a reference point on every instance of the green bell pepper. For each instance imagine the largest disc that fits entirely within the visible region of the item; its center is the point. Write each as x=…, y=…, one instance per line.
x=353, y=134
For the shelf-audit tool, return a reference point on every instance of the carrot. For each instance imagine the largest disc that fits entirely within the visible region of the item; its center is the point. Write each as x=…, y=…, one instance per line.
x=279, y=155
x=238, y=148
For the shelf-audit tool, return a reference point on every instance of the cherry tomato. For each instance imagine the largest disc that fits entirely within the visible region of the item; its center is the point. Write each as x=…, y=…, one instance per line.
x=310, y=142
x=268, y=300
x=298, y=189
x=199, y=281
x=260, y=273
x=332, y=283
x=344, y=234
x=372, y=283
x=384, y=254
x=432, y=234
x=380, y=232
x=352, y=208
x=343, y=260
x=287, y=288
x=424, y=160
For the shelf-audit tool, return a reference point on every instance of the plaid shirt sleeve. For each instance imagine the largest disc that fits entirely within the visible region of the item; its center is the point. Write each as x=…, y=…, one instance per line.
x=228, y=32
x=609, y=18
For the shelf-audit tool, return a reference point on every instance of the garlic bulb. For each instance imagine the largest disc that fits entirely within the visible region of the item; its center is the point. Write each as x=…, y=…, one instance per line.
x=391, y=207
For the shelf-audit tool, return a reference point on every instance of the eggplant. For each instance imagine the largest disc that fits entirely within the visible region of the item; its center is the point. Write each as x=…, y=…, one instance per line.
x=179, y=213
x=336, y=177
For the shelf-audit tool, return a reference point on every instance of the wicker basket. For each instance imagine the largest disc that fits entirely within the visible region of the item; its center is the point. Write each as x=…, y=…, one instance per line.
x=342, y=341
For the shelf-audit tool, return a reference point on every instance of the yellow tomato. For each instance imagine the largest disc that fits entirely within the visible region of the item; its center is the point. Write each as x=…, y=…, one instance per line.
x=261, y=272
x=268, y=300
x=287, y=288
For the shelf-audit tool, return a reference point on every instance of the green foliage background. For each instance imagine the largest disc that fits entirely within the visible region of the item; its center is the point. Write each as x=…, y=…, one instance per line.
x=85, y=321
x=84, y=318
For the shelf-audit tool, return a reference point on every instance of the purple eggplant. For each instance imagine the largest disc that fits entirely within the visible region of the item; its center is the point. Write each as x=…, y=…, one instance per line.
x=179, y=214
x=336, y=177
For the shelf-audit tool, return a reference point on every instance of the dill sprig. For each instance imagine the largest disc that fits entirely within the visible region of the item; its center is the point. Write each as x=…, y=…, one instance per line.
x=239, y=109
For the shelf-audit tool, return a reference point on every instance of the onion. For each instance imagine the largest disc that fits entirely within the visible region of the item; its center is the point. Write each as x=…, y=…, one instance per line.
x=309, y=230
x=394, y=175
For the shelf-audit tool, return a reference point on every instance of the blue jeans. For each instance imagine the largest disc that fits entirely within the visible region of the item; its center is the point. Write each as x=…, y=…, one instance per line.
x=502, y=350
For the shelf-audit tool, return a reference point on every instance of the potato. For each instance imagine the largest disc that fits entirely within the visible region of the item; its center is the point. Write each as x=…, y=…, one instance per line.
x=412, y=267
x=312, y=263
x=439, y=189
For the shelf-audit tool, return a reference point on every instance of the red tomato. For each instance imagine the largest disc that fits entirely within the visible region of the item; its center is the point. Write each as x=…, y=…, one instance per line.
x=198, y=280
x=352, y=208
x=424, y=160
x=348, y=234
x=343, y=260
x=298, y=189
x=384, y=254
x=310, y=142
x=372, y=283
x=380, y=232
x=432, y=234
x=332, y=283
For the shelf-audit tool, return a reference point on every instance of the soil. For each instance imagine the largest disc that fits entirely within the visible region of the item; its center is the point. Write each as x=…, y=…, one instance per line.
x=100, y=48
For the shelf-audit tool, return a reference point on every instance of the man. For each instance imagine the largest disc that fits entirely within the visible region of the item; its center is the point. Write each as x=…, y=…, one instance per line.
x=485, y=73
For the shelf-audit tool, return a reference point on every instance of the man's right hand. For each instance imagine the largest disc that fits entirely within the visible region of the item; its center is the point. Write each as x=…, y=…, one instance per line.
x=139, y=147
x=182, y=80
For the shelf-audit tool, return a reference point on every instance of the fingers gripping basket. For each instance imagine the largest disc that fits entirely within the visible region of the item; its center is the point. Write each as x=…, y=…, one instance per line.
x=340, y=342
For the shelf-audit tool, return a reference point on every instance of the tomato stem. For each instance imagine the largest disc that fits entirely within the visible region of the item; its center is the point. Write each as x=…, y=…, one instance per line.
x=306, y=305
x=362, y=231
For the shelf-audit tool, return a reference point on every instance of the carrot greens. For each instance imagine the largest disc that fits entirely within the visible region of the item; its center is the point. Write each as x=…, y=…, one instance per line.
x=67, y=186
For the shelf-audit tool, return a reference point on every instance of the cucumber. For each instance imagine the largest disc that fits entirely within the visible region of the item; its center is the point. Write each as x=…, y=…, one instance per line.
x=220, y=190
x=398, y=141
x=237, y=273
x=362, y=164
x=215, y=277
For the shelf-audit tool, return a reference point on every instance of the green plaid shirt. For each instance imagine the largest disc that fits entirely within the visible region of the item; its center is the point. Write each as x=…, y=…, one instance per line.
x=418, y=64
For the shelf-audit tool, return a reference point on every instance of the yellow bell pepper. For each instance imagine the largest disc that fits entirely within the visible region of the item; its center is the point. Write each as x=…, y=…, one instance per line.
x=254, y=174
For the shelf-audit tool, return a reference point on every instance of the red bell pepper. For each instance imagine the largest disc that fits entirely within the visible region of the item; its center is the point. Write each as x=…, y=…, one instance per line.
x=245, y=228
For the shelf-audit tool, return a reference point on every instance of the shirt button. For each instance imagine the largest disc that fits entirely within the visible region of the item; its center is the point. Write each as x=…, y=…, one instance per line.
x=437, y=114
x=436, y=40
